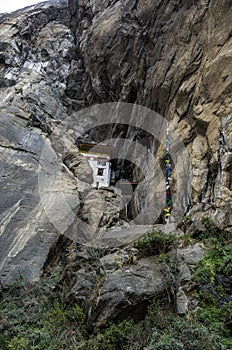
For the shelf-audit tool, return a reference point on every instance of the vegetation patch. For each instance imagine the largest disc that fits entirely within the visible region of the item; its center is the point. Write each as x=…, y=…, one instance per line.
x=154, y=242
x=41, y=316
x=214, y=278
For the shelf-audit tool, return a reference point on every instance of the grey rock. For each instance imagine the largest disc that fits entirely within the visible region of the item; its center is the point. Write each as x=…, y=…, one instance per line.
x=122, y=236
x=79, y=165
x=169, y=229
x=118, y=259
x=99, y=210
x=84, y=286
x=32, y=217
x=184, y=274
x=127, y=292
x=181, y=302
x=192, y=254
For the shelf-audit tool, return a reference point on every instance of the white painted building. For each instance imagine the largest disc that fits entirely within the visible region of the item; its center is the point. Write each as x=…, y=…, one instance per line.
x=99, y=159
x=101, y=169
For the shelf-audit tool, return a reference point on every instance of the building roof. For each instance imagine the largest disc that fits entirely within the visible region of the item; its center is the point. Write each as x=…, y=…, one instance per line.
x=97, y=149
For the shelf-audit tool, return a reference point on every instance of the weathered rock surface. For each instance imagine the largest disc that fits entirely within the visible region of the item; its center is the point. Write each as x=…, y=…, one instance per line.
x=41, y=189
x=78, y=165
x=121, y=283
x=192, y=254
x=84, y=286
x=114, y=261
x=174, y=57
x=34, y=66
x=186, y=260
x=128, y=290
x=121, y=236
x=181, y=302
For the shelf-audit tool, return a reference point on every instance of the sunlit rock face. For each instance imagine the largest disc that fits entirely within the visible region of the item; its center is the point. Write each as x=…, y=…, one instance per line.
x=175, y=58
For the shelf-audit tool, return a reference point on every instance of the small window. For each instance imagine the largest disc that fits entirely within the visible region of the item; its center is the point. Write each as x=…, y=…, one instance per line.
x=101, y=162
x=100, y=171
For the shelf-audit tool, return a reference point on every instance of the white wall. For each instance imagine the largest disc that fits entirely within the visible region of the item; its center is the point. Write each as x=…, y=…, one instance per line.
x=96, y=163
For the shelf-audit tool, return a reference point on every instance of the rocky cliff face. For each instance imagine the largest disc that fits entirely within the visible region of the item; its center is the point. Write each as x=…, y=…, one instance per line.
x=112, y=71
x=173, y=57
x=39, y=176
x=34, y=67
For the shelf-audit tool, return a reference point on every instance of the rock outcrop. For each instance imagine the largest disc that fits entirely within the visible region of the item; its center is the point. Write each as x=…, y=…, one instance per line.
x=127, y=291
x=123, y=284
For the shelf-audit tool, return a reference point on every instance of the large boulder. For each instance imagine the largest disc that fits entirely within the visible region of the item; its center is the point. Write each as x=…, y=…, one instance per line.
x=127, y=291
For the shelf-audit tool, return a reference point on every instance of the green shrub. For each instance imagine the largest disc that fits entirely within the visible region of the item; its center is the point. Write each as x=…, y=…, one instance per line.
x=212, y=231
x=154, y=243
x=35, y=318
x=215, y=305
x=114, y=337
x=181, y=334
x=215, y=317
x=18, y=344
x=205, y=271
x=219, y=256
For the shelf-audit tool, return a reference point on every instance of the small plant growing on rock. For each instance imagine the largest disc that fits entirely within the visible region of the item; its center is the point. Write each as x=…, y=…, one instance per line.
x=185, y=222
x=154, y=242
x=212, y=231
